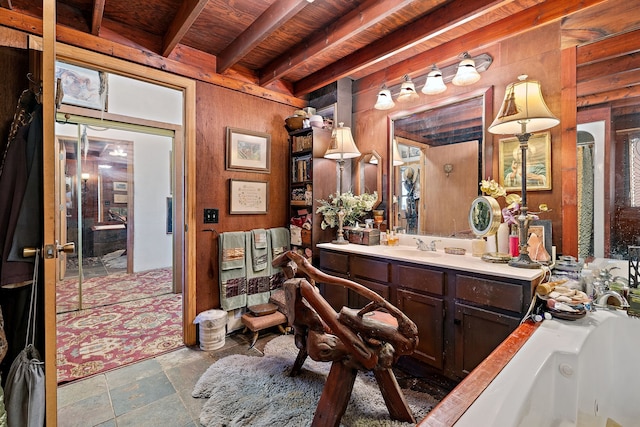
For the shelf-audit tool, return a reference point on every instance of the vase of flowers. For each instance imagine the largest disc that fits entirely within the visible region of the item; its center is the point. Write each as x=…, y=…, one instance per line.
x=353, y=207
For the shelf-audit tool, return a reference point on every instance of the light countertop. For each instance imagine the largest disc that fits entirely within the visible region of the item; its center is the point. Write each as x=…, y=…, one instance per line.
x=438, y=258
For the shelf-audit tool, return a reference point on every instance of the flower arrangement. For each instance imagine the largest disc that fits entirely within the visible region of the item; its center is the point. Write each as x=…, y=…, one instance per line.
x=354, y=207
x=512, y=210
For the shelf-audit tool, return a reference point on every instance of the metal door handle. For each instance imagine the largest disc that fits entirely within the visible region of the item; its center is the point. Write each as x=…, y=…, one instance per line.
x=67, y=248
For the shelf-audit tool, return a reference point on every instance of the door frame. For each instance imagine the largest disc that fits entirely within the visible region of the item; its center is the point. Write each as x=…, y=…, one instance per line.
x=184, y=176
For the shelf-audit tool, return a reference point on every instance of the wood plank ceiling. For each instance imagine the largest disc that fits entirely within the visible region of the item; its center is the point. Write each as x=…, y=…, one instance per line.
x=291, y=47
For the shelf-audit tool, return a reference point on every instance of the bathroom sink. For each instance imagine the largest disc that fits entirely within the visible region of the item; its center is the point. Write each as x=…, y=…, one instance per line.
x=413, y=253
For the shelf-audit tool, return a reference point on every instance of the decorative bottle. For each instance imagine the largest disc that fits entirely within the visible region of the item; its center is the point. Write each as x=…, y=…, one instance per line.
x=514, y=242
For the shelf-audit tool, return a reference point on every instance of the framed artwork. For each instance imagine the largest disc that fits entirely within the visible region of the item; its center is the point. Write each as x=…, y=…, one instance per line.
x=542, y=228
x=248, y=197
x=538, y=163
x=120, y=186
x=82, y=87
x=248, y=150
x=120, y=198
x=169, y=215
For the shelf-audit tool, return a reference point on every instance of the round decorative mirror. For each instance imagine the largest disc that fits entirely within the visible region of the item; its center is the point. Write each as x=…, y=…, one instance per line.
x=484, y=216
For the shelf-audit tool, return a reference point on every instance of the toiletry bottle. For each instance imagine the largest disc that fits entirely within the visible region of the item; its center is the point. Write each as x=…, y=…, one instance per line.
x=514, y=242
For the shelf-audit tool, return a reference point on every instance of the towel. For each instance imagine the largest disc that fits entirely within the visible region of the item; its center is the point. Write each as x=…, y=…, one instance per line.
x=259, y=249
x=258, y=268
x=233, y=274
x=280, y=243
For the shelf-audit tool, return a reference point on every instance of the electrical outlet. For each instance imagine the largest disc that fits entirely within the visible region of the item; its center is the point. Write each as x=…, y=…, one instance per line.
x=210, y=216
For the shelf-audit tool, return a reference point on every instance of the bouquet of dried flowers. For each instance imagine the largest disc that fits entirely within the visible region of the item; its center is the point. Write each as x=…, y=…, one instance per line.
x=354, y=207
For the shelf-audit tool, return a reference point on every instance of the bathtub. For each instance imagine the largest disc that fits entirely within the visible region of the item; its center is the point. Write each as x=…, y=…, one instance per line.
x=584, y=373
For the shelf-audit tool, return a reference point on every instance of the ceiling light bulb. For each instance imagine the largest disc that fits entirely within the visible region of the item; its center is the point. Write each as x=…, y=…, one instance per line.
x=434, y=84
x=467, y=73
x=407, y=90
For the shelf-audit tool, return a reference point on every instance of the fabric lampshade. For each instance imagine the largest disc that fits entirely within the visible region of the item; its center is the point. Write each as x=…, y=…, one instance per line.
x=523, y=103
x=342, y=145
x=397, y=158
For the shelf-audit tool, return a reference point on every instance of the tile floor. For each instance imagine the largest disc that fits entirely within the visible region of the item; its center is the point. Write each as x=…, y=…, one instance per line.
x=154, y=392
x=157, y=392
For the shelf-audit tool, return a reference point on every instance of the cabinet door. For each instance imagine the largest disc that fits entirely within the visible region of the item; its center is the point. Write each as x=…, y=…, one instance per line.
x=428, y=315
x=358, y=301
x=478, y=332
x=336, y=264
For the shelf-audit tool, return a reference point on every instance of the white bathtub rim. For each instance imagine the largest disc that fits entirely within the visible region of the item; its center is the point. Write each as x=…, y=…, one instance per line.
x=504, y=399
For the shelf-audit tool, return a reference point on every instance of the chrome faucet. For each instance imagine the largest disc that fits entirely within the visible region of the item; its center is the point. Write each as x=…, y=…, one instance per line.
x=422, y=246
x=603, y=295
x=432, y=245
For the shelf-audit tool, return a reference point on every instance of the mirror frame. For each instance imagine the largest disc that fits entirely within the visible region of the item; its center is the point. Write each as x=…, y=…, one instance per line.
x=359, y=185
x=487, y=149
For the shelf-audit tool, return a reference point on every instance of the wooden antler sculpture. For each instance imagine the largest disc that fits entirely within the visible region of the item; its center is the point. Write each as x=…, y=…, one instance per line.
x=350, y=339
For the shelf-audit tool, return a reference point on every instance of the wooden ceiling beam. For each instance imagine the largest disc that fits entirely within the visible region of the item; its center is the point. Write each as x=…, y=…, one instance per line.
x=186, y=16
x=350, y=25
x=619, y=45
x=526, y=20
x=96, y=16
x=185, y=61
x=609, y=96
x=434, y=24
x=273, y=18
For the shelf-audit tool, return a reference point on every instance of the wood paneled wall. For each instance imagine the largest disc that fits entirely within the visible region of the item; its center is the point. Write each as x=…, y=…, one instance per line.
x=536, y=53
x=218, y=108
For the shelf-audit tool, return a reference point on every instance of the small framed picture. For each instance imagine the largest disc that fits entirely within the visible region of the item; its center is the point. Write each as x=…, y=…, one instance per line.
x=248, y=197
x=120, y=186
x=120, y=198
x=538, y=163
x=248, y=151
x=82, y=87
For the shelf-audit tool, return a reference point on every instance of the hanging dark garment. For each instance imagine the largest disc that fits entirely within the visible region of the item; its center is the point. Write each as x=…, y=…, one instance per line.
x=22, y=117
x=21, y=203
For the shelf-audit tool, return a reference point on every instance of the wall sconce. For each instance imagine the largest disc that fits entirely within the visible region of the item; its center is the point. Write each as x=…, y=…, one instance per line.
x=523, y=111
x=435, y=83
x=448, y=168
x=407, y=90
x=467, y=73
x=384, y=101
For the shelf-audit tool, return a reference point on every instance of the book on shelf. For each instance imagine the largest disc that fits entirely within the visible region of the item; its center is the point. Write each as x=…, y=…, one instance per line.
x=301, y=169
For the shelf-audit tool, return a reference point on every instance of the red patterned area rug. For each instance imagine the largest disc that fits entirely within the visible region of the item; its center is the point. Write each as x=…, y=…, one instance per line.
x=103, y=338
x=113, y=289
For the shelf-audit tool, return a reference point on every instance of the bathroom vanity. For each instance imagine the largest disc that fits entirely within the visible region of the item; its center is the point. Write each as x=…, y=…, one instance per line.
x=463, y=307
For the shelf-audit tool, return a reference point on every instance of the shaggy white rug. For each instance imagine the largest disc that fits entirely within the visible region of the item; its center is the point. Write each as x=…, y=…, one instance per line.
x=257, y=391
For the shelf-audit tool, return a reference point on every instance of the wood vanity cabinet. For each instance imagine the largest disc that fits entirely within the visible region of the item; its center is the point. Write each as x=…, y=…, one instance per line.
x=461, y=317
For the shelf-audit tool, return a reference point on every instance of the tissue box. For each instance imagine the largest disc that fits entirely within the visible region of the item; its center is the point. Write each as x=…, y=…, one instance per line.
x=362, y=236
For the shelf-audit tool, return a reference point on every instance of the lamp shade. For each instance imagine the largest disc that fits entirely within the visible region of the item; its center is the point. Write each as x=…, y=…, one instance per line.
x=407, y=90
x=342, y=145
x=397, y=158
x=467, y=73
x=384, y=101
x=523, y=104
x=435, y=83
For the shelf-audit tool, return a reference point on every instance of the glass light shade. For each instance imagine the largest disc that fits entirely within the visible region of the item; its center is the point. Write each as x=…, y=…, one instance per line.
x=85, y=176
x=466, y=74
x=434, y=84
x=384, y=101
x=342, y=145
x=407, y=90
x=523, y=103
x=397, y=158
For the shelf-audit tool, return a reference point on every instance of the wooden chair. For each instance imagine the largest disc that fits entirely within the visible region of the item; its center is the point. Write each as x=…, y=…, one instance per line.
x=370, y=339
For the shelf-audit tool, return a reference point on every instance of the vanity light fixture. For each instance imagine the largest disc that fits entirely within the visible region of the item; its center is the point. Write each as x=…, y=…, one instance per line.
x=434, y=84
x=523, y=111
x=467, y=73
x=384, y=101
x=341, y=147
x=407, y=90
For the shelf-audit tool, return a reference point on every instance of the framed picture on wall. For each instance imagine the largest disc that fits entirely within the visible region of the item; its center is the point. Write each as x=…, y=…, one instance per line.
x=538, y=163
x=82, y=87
x=120, y=186
x=248, y=150
x=248, y=197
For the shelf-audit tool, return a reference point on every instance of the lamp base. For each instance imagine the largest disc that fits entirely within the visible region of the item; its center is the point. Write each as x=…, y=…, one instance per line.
x=523, y=261
x=340, y=241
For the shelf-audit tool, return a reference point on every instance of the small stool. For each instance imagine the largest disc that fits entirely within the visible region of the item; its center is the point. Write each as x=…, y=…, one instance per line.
x=258, y=323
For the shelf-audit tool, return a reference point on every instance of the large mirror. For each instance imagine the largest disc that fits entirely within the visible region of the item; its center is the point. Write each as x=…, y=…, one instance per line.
x=436, y=161
x=369, y=175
